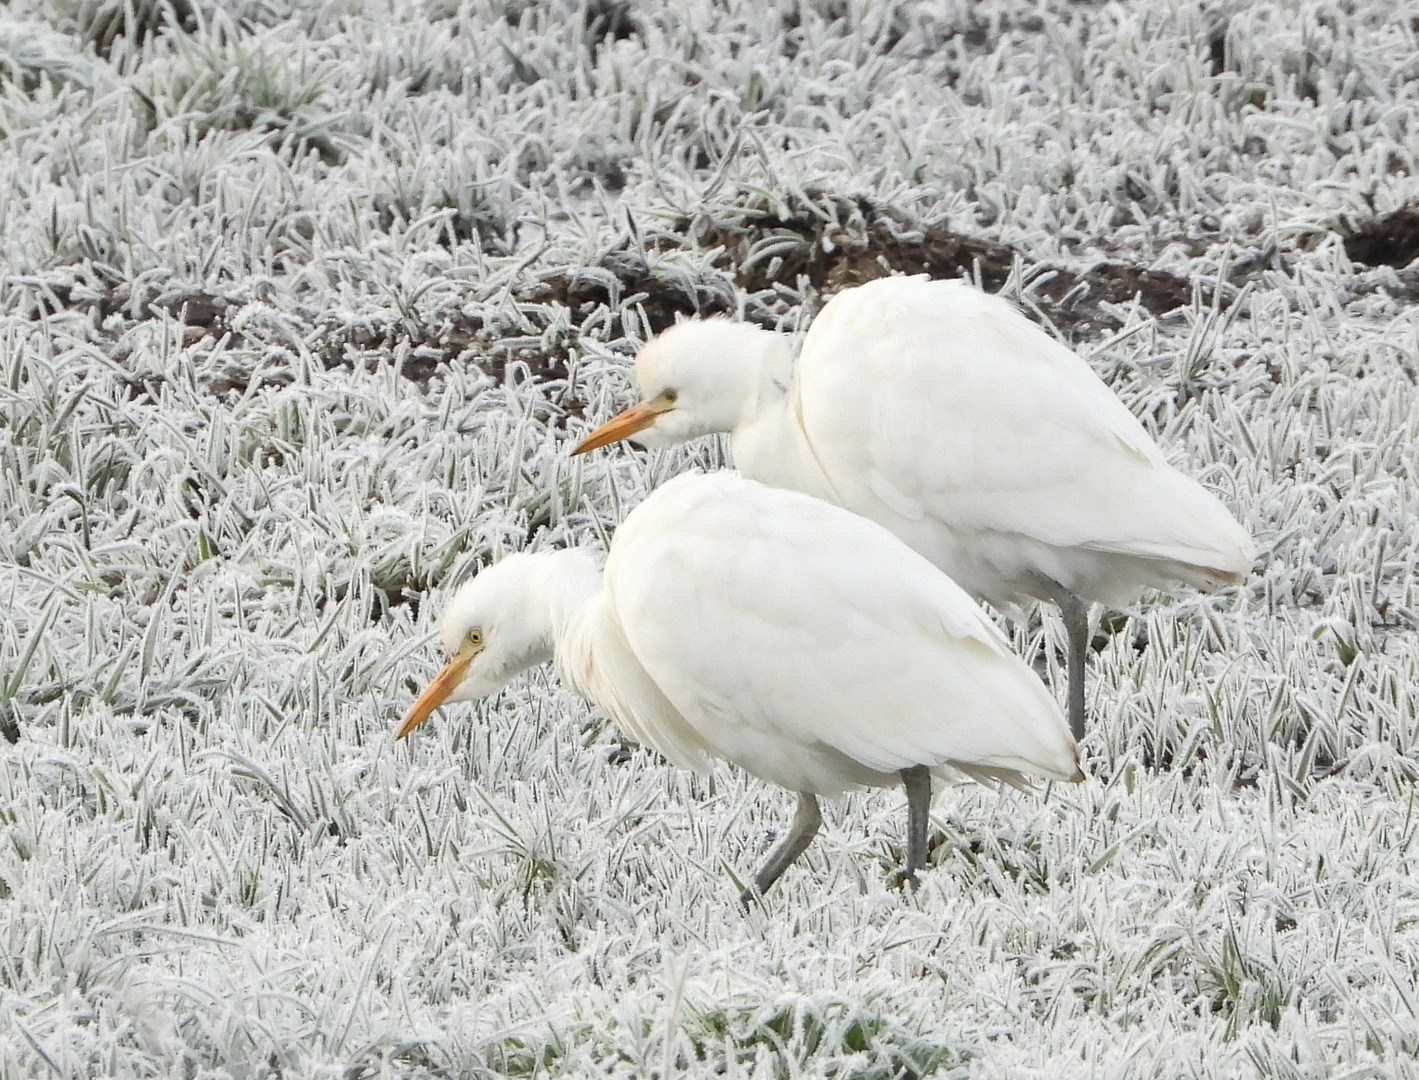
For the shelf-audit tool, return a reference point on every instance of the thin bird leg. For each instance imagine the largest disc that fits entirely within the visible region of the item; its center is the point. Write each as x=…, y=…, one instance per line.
x=1076, y=625
x=917, y=781
x=805, y=826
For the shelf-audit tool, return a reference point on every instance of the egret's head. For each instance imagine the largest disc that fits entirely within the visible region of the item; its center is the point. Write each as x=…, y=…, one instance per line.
x=501, y=623
x=697, y=378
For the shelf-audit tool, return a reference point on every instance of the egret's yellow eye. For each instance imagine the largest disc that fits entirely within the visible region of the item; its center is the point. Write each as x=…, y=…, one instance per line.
x=474, y=640
x=669, y=396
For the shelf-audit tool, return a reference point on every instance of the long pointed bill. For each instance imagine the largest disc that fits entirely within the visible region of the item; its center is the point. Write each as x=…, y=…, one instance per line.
x=434, y=695
x=636, y=418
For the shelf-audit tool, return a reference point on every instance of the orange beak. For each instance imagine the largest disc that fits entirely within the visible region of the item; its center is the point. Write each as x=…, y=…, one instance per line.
x=636, y=418
x=435, y=694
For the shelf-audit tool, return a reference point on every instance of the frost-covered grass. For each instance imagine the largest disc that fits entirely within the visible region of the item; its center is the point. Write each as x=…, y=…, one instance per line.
x=301, y=308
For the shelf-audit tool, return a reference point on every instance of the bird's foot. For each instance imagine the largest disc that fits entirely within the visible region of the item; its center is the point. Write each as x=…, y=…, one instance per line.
x=901, y=880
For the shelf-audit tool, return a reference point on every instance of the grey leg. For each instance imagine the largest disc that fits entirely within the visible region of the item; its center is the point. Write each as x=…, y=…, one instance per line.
x=1076, y=626
x=805, y=826
x=917, y=781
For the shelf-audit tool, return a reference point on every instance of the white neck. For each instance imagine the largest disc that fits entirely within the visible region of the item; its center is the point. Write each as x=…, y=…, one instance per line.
x=769, y=444
x=774, y=374
x=571, y=580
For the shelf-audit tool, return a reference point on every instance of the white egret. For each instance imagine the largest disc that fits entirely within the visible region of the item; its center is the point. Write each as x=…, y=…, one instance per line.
x=945, y=415
x=799, y=641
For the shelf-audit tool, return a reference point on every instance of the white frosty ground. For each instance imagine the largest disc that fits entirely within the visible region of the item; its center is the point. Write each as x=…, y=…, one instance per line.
x=214, y=860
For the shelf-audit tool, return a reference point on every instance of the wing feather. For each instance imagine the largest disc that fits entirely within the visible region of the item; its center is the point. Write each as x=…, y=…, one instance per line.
x=948, y=402
x=814, y=648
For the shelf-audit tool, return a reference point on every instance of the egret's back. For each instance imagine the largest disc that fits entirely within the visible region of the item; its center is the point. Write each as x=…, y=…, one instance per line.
x=947, y=416
x=813, y=648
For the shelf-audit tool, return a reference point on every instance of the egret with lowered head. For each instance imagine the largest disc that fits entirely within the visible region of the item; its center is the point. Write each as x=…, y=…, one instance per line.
x=801, y=642
x=945, y=415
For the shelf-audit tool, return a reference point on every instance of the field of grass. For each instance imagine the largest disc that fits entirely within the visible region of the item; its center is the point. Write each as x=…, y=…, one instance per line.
x=302, y=306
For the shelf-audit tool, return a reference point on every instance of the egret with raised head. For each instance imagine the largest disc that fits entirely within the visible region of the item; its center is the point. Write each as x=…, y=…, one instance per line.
x=945, y=415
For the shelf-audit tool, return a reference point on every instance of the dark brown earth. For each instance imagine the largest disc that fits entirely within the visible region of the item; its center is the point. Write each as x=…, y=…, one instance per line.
x=759, y=255
x=1390, y=240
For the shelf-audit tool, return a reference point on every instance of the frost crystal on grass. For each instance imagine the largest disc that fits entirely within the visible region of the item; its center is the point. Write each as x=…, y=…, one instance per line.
x=301, y=309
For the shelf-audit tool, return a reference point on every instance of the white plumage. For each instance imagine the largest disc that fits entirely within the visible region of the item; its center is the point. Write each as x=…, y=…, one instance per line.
x=799, y=641
x=945, y=415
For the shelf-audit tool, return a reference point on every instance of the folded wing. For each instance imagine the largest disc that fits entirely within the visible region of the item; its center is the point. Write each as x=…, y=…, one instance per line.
x=942, y=401
x=815, y=649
